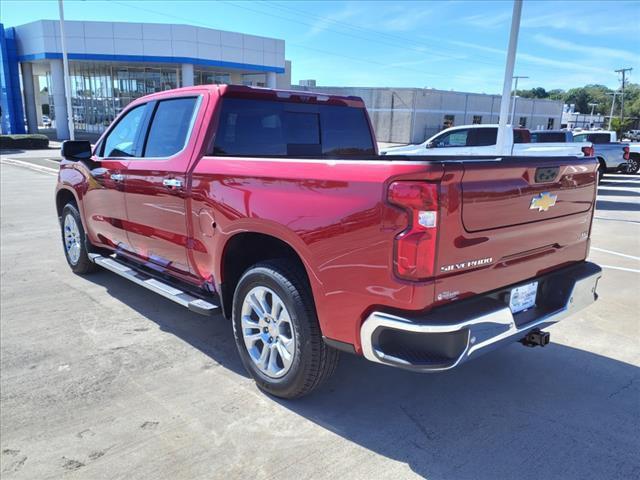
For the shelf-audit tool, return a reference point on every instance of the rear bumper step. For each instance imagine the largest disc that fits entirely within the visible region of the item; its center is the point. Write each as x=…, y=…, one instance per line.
x=451, y=335
x=195, y=304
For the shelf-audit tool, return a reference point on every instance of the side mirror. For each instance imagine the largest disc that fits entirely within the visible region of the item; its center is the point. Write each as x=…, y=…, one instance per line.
x=431, y=145
x=75, y=150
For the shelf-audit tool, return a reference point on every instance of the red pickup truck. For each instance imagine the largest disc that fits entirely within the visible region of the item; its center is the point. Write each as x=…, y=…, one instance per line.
x=275, y=208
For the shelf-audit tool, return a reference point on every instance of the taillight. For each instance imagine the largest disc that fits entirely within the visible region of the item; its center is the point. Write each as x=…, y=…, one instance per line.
x=626, y=153
x=415, y=247
x=588, y=151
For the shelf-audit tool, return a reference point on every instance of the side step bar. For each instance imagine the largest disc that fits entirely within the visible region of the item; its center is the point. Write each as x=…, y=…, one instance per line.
x=176, y=295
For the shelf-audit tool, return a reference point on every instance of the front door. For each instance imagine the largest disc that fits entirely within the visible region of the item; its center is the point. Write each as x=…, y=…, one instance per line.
x=103, y=202
x=156, y=189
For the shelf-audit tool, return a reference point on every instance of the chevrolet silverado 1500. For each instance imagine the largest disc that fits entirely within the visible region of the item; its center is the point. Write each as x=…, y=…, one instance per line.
x=274, y=208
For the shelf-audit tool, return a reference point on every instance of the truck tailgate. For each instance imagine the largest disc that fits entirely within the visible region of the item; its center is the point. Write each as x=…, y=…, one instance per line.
x=525, y=190
x=503, y=222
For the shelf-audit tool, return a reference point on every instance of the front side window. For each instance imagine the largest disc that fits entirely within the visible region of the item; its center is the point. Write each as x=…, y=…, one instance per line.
x=170, y=127
x=121, y=140
x=271, y=128
x=457, y=138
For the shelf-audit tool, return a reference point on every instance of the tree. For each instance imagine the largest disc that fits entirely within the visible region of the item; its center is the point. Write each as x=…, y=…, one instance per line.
x=619, y=127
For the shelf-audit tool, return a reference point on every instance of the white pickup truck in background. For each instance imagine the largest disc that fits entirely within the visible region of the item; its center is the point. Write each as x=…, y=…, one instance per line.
x=481, y=140
x=613, y=155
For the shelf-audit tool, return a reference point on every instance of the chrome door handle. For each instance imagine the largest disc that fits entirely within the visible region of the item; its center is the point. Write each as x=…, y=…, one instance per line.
x=117, y=177
x=172, y=183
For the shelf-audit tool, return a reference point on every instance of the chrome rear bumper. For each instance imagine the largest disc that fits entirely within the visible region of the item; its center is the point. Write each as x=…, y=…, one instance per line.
x=451, y=335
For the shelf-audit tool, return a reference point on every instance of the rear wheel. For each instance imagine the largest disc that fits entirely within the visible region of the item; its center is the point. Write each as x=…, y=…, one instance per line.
x=74, y=241
x=633, y=165
x=277, y=332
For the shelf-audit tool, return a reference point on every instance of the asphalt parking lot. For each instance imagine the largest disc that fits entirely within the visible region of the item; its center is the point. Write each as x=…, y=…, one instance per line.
x=102, y=379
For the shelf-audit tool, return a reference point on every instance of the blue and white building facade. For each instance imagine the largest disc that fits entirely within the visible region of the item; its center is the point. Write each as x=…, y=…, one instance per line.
x=112, y=63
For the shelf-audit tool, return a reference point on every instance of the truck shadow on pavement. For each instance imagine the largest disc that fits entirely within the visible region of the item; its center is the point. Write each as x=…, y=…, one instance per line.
x=553, y=412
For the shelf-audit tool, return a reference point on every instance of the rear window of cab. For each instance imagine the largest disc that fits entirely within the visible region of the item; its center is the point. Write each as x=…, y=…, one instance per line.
x=262, y=128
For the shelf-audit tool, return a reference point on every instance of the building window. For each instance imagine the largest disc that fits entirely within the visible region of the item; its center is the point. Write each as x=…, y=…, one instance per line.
x=449, y=121
x=254, y=79
x=550, y=123
x=523, y=122
x=477, y=119
x=205, y=77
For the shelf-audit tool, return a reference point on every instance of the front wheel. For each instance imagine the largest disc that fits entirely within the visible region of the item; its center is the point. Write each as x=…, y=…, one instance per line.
x=74, y=241
x=277, y=331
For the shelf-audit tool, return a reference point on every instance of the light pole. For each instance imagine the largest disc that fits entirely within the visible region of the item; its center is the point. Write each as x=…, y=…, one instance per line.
x=593, y=106
x=613, y=102
x=515, y=96
x=508, y=77
x=67, y=80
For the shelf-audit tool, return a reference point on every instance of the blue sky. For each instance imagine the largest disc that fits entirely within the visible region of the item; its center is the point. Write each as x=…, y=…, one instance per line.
x=457, y=45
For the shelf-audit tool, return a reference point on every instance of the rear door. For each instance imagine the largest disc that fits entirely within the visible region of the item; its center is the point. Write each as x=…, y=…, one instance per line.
x=156, y=189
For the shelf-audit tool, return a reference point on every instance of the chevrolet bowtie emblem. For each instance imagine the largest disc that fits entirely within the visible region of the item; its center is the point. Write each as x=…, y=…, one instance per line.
x=543, y=202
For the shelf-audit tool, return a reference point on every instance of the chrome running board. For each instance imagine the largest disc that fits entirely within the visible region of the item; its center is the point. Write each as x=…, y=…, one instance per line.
x=174, y=294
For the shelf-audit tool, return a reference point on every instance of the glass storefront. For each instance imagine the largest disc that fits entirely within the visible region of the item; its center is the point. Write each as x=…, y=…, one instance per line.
x=100, y=91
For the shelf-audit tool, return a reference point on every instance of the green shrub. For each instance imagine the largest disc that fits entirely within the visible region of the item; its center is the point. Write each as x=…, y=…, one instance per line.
x=24, y=142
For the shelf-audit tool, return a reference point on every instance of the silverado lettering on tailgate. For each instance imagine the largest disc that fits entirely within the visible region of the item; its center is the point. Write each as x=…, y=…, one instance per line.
x=468, y=264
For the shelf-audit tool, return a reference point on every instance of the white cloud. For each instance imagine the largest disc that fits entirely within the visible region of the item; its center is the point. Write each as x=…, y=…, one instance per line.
x=487, y=20
x=329, y=21
x=591, y=26
x=586, y=48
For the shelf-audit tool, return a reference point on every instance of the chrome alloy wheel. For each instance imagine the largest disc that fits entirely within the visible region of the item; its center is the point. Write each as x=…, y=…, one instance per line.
x=268, y=332
x=72, y=241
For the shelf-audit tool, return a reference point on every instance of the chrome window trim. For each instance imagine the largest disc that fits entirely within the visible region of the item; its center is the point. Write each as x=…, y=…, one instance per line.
x=194, y=115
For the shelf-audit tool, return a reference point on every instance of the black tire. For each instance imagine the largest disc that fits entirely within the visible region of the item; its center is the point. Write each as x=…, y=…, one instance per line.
x=82, y=265
x=633, y=165
x=601, y=170
x=313, y=361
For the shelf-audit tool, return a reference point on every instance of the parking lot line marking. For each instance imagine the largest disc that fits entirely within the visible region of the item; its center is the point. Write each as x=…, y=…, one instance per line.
x=617, y=220
x=30, y=166
x=620, y=268
x=614, y=253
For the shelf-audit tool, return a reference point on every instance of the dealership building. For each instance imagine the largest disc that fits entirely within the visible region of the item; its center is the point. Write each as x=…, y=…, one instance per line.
x=411, y=115
x=113, y=63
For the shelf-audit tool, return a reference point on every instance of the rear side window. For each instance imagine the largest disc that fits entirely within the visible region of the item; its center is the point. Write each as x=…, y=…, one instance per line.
x=170, y=127
x=482, y=137
x=548, y=137
x=268, y=128
x=599, y=138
